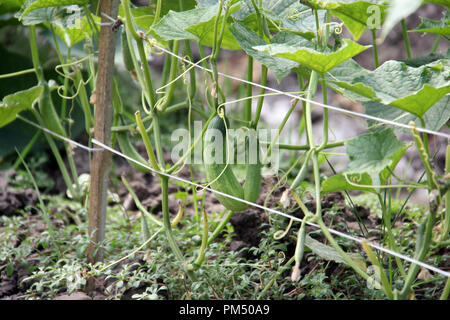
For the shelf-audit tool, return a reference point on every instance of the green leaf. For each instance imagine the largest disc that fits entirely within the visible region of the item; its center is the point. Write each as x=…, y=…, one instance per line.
x=298, y=49
x=41, y=16
x=72, y=29
x=196, y=24
x=357, y=15
x=293, y=16
x=17, y=102
x=8, y=6
x=395, y=83
x=330, y=253
x=435, y=118
x=441, y=27
x=398, y=10
x=143, y=16
x=31, y=5
x=248, y=39
x=373, y=157
x=343, y=181
x=372, y=152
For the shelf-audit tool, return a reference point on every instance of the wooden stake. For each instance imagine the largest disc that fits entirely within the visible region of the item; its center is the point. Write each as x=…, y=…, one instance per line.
x=101, y=160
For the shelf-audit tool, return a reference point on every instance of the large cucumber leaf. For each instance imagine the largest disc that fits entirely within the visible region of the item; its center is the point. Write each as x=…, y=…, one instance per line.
x=196, y=24
x=434, y=118
x=373, y=157
x=395, y=83
x=373, y=152
x=298, y=49
x=31, y=5
x=17, y=102
x=248, y=39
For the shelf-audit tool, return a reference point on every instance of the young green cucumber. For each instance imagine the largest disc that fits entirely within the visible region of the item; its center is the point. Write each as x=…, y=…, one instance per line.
x=221, y=177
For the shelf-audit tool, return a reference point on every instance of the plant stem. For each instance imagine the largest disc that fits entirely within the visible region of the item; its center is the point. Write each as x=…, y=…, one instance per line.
x=147, y=142
x=219, y=228
x=446, y=290
x=406, y=39
x=446, y=223
x=375, y=48
x=25, y=151
x=17, y=73
x=436, y=44
x=247, y=111
x=260, y=102
x=172, y=74
x=168, y=227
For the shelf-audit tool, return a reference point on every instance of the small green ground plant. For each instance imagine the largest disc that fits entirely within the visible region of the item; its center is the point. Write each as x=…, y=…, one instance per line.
x=286, y=37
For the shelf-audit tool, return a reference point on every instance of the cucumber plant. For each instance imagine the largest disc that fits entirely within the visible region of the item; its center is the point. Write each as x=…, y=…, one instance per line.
x=288, y=37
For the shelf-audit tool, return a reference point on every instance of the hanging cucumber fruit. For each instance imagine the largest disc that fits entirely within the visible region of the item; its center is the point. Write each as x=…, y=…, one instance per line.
x=220, y=176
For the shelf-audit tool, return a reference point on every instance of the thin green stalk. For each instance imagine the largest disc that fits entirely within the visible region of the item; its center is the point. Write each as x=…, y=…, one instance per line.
x=280, y=128
x=387, y=218
x=375, y=48
x=158, y=12
x=325, y=114
x=436, y=44
x=27, y=149
x=286, y=146
x=247, y=111
x=342, y=253
x=147, y=142
x=384, y=281
x=44, y=210
x=276, y=276
x=90, y=19
x=168, y=228
x=139, y=205
x=62, y=167
x=17, y=73
x=56, y=123
x=35, y=55
x=446, y=223
x=192, y=76
x=172, y=75
x=423, y=250
x=220, y=227
x=406, y=39
x=201, y=256
x=260, y=102
x=446, y=290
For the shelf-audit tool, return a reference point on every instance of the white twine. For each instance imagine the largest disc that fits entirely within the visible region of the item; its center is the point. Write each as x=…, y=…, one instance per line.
x=58, y=135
